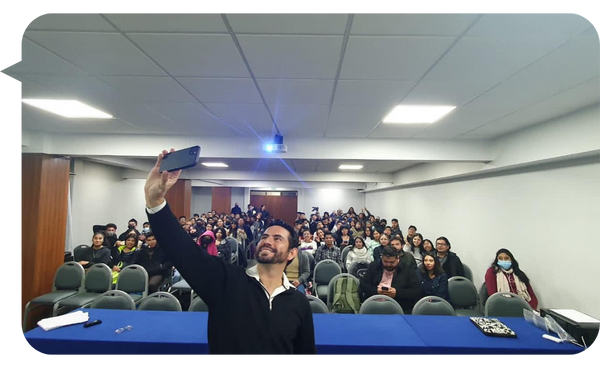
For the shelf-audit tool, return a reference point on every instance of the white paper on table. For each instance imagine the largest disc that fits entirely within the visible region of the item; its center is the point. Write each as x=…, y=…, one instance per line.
x=51, y=323
x=575, y=316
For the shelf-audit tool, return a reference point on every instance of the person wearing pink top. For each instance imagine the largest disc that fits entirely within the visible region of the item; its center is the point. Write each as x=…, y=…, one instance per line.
x=208, y=243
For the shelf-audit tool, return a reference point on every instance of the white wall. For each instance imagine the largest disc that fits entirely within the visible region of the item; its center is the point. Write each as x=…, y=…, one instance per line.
x=101, y=196
x=547, y=216
x=329, y=199
x=201, y=200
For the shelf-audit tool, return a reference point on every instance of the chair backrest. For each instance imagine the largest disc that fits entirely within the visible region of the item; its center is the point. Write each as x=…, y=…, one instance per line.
x=356, y=267
x=504, y=304
x=114, y=299
x=78, y=251
x=161, y=301
x=463, y=293
x=311, y=262
x=233, y=244
x=98, y=278
x=468, y=272
x=345, y=254
x=317, y=305
x=325, y=270
x=483, y=296
x=380, y=304
x=197, y=304
x=433, y=306
x=331, y=286
x=69, y=276
x=133, y=279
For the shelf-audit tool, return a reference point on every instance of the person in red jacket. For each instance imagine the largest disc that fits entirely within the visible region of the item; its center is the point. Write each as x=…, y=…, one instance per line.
x=504, y=275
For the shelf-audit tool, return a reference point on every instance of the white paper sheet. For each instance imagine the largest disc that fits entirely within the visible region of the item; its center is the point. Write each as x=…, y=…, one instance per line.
x=575, y=316
x=51, y=323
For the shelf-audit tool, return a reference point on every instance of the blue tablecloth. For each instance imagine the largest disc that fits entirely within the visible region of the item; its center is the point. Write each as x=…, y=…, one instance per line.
x=157, y=332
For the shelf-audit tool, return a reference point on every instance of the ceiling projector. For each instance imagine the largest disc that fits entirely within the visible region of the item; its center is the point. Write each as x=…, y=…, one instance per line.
x=276, y=146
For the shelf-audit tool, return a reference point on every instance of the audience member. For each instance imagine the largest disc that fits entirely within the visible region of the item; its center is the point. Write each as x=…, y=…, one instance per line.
x=384, y=240
x=358, y=253
x=396, y=228
x=155, y=262
x=111, y=234
x=415, y=248
x=343, y=237
x=182, y=220
x=449, y=260
x=412, y=230
x=504, y=275
x=368, y=235
x=236, y=210
x=298, y=272
x=374, y=243
x=207, y=242
x=264, y=212
x=388, y=231
x=329, y=251
x=434, y=281
x=428, y=246
x=392, y=278
x=131, y=225
x=308, y=244
x=406, y=258
x=358, y=230
x=97, y=253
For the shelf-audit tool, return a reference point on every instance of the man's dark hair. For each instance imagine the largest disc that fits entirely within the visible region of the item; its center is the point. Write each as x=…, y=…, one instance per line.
x=133, y=220
x=389, y=251
x=398, y=237
x=110, y=224
x=444, y=239
x=325, y=233
x=195, y=214
x=149, y=235
x=293, y=238
x=413, y=227
x=145, y=223
x=394, y=220
x=298, y=222
x=180, y=217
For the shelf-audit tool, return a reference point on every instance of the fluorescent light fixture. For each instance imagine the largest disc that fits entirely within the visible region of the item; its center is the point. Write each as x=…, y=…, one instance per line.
x=411, y=114
x=350, y=167
x=214, y=164
x=68, y=108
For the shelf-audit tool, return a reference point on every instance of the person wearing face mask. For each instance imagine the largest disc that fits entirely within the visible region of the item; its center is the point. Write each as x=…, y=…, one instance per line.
x=208, y=243
x=434, y=281
x=131, y=225
x=504, y=275
x=111, y=234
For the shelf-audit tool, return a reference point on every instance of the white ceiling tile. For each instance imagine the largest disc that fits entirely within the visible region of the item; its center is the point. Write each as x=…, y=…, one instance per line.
x=296, y=91
x=168, y=22
x=397, y=130
x=300, y=120
x=308, y=57
x=445, y=93
x=98, y=53
x=354, y=121
x=222, y=90
x=411, y=24
x=329, y=24
x=388, y=58
x=249, y=118
x=70, y=22
x=190, y=118
x=161, y=89
x=489, y=60
x=560, y=26
x=38, y=60
x=193, y=55
x=371, y=92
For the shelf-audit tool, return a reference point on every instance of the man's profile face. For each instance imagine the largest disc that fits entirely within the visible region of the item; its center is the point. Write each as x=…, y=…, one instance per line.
x=273, y=247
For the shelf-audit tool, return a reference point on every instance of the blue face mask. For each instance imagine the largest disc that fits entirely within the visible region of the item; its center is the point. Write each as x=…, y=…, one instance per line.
x=505, y=264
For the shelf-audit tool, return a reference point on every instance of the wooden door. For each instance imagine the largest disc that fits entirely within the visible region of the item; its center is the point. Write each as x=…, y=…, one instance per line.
x=221, y=200
x=280, y=207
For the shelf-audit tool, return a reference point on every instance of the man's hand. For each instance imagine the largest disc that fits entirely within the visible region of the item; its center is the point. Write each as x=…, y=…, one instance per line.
x=296, y=283
x=158, y=184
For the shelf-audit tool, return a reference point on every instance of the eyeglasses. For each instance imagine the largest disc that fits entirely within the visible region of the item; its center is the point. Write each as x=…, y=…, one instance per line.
x=123, y=329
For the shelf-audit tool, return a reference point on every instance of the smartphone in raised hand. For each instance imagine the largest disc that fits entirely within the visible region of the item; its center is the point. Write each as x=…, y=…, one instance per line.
x=181, y=159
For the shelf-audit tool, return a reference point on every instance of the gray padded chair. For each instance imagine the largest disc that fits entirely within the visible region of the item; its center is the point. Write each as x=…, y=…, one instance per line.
x=463, y=297
x=331, y=285
x=433, y=306
x=197, y=304
x=97, y=281
x=483, y=296
x=380, y=304
x=311, y=263
x=345, y=252
x=78, y=251
x=325, y=270
x=114, y=299
x=68, y=281
x=160, y=301
x=505, y=305
x=468, y=272
x=133, y=280
x=234, y=249
x=317, y=305
x=358, y=268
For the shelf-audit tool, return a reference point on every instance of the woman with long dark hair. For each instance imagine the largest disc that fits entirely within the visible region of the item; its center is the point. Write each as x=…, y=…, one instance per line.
x=434, y=280
x=359, y=252
x=504, y=275
x=415, y=248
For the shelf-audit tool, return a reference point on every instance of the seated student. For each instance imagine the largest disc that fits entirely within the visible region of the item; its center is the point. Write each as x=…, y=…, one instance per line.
x=127, y=253
x=412, y=230
x=208, y=243
x=449, y=260
x=358, y=253
x=121, y=243
x=392, y=278
x=154, y=261
x=320, y=237
x=384, y=241
x=308, y=244
x=428, y=246
x=405, y=258
x=374, y=243
x=223, y=246
x=343, y=237
x=329, y=251
x=132, y=224
x=504, y=275
x=298, y=272
x=97, y=253
x=359, y=231
x=368, y=236
x=415, y=248
x=434, y=280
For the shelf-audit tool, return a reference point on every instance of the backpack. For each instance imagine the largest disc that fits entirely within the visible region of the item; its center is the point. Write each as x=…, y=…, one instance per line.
x=345, y=296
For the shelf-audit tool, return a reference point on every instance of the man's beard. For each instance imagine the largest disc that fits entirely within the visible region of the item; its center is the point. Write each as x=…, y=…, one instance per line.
x=270, y=258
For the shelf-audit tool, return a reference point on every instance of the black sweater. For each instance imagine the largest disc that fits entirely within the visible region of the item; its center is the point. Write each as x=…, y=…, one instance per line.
x=154, y=261
x=240, y=320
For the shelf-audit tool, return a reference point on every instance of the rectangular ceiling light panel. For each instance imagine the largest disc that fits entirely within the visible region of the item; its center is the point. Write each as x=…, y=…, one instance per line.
x=414, y=114
x=68, y=108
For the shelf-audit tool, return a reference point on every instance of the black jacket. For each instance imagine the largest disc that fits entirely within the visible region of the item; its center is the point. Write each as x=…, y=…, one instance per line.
x=453, y=266
x=405, y=281
x=240, y=318
x=155, y=261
